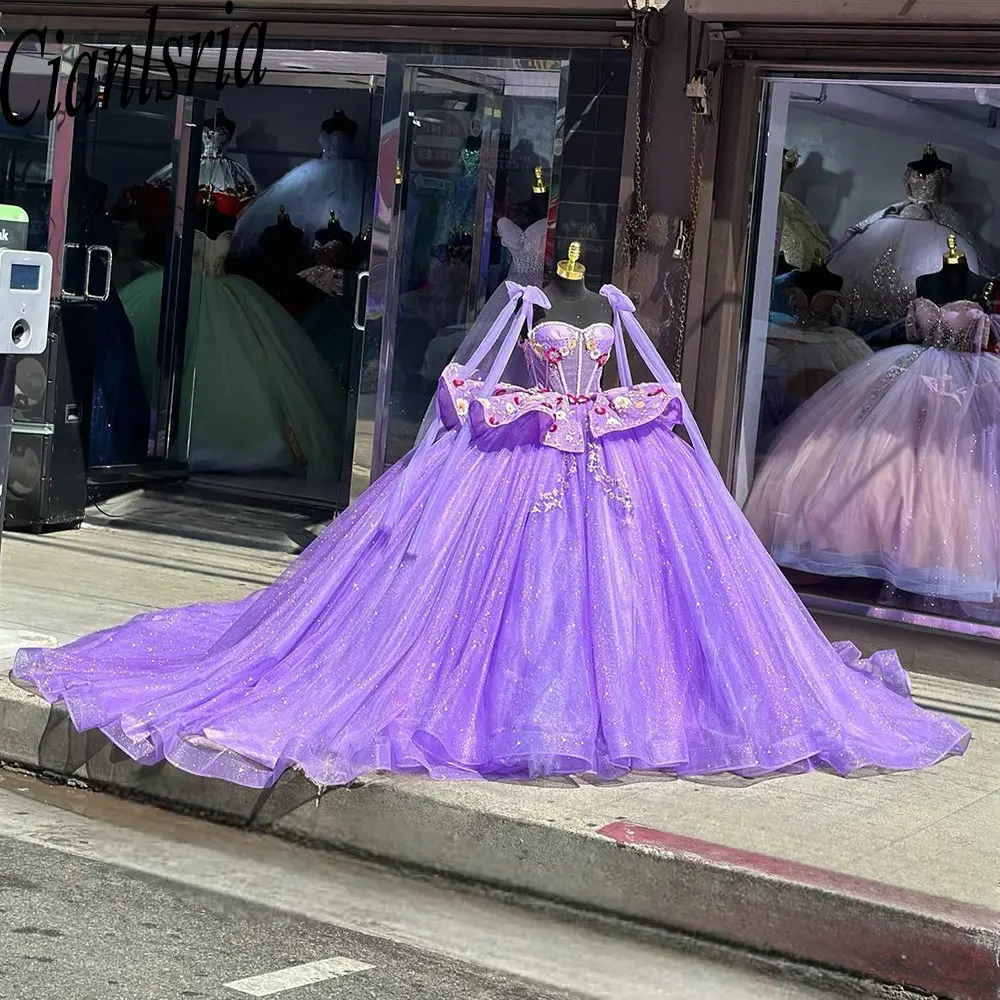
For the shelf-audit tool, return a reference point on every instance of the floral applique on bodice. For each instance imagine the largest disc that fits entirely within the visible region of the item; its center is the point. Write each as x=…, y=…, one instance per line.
x=566, y=399
x=568, y=359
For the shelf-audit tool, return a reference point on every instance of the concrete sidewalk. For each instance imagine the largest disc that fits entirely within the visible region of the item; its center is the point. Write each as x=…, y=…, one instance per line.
x=896, y=877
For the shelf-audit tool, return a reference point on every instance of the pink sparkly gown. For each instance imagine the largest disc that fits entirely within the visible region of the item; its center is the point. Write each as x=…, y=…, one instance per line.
x=892, y=470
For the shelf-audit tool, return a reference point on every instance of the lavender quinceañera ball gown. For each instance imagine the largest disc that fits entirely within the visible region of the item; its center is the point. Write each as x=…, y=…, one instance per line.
x=892, y=470
x=552, y=582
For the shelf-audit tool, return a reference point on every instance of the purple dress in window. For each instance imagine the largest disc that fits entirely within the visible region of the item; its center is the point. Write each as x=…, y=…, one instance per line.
x=553, y=582
x=892, y=470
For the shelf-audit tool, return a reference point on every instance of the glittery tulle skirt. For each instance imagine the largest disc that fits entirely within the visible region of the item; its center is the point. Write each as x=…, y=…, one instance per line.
x=568, y=614
x=880, y=266
x=892, y=472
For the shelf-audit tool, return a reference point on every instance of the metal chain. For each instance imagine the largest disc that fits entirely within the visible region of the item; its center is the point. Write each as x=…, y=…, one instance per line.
x=638, y=220
x=697, y=170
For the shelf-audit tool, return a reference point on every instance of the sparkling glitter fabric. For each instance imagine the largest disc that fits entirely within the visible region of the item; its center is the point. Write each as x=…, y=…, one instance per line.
x=800, y=239
x=527, y=250
x=594, y=610
x=881, y=257
x=892, y=470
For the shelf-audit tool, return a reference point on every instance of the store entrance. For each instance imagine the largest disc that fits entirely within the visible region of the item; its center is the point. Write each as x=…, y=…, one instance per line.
x=239, y=225
x=267, y=281
x=468, y=180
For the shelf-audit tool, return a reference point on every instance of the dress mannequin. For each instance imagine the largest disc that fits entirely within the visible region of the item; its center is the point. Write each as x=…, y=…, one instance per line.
x=955, y=281
x=929, y=163
x=883, y=256
x=818, y=278
x=572, y=302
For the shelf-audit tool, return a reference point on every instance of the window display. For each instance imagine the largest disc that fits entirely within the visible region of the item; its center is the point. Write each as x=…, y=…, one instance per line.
x=873, y=370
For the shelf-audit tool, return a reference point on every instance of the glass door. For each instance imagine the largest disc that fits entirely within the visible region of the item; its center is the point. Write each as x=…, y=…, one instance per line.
x=123, y=189
x=430, y=248
x=241, y=230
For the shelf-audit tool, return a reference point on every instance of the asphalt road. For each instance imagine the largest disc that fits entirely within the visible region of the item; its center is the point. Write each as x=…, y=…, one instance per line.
x=108, y=900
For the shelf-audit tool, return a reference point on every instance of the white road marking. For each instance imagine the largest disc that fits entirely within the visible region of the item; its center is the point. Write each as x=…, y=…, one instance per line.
x=297, y=975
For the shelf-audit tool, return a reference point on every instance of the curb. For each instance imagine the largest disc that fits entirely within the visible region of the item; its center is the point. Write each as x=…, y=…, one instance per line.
x=754, y=901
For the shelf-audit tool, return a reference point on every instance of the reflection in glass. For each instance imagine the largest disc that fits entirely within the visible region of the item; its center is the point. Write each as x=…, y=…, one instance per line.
x=256, y=395
x=877, y=443
x=475, y=212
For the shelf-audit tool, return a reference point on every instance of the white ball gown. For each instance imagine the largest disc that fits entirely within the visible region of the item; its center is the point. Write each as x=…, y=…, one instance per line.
x=892, y=470
x=259, y=395
x=815, y=347
x=806, y=348
x=881, y=257
x=333, y=182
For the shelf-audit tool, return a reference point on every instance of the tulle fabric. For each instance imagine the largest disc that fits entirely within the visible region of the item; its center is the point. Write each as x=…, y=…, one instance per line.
x=892, y=472
x=258, y=394
x=808, y=359
x=577, y=640
x=566, y=613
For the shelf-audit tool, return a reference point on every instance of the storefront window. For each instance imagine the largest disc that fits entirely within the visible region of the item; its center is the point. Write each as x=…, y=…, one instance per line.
x=289, y=266
x=869, y=458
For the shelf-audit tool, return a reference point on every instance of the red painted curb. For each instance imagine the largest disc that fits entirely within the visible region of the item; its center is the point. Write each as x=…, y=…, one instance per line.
x=940, y=945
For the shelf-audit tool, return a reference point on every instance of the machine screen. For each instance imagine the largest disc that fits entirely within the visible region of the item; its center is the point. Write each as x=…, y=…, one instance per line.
x=25, y=277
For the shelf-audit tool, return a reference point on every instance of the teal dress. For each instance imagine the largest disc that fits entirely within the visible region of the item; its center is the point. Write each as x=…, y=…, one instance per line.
x=257, y=396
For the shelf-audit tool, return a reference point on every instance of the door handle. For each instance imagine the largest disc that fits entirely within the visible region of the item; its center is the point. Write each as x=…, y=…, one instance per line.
x=86, y=295
x=103, y=297
x=359, y=324
x=66, y=295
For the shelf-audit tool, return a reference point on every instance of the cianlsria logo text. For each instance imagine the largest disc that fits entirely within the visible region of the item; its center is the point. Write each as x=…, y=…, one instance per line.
x=97, y=76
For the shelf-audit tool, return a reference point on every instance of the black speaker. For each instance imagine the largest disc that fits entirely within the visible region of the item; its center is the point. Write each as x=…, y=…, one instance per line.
x=47, y=474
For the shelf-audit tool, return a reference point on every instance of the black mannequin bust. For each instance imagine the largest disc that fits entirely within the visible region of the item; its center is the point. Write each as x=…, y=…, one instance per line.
x=572, y=302
x=818, y=278
x=537, y=205
x=283, y=245
x=340, y=121
x=929, y=162
x=334, y=232
x=955, y=282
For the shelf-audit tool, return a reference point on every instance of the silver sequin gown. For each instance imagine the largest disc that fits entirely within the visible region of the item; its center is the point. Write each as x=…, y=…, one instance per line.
x=882, y=256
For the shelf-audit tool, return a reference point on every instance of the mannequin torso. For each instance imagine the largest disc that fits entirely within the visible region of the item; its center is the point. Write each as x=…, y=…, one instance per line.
x=816, y=279
x=953, y=283
x=574, y=304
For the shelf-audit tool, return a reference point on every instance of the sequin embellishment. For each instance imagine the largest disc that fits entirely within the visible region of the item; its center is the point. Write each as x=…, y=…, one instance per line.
x=888, y=379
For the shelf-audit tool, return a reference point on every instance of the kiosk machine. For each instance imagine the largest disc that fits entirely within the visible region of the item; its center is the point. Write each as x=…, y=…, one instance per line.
x=25, y=296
